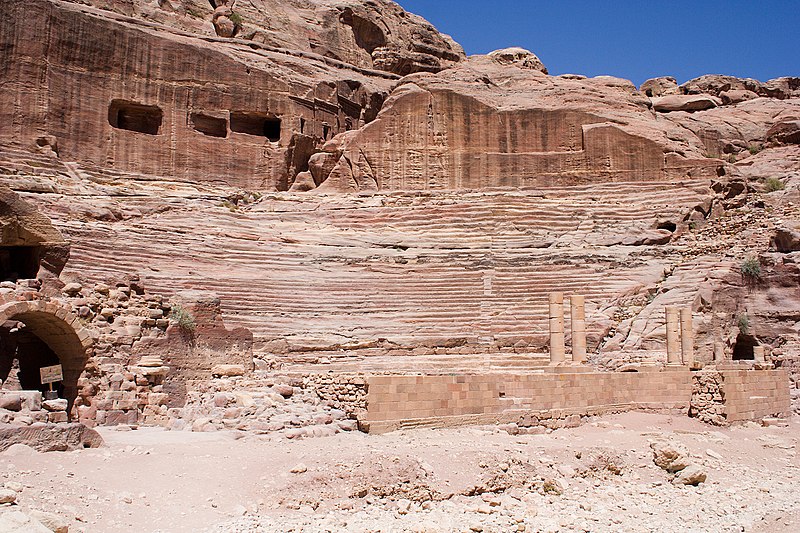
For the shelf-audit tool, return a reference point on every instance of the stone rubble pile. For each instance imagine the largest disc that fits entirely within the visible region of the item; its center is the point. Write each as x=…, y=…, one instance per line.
x=707, y=403
x=260, y=406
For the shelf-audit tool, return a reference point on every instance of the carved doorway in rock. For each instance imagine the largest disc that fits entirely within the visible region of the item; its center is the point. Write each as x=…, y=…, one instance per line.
x=39, y=334
x=743, y=349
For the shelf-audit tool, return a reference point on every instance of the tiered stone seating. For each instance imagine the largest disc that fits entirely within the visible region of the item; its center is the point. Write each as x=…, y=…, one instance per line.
x=391, y=278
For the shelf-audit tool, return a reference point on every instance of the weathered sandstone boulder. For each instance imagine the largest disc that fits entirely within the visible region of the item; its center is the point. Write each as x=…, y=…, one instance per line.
x=786, y=240
x=785, y=132
x=683, y=102
x=661, y=86
x=518, y=57
x=736, y=96
x=19, y=522
x=715, y=85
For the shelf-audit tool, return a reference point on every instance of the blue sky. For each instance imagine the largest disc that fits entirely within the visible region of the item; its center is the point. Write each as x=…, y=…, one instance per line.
x=636, y=40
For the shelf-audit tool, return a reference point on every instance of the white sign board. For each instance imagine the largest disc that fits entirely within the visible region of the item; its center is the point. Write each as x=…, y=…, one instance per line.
x=51, y=374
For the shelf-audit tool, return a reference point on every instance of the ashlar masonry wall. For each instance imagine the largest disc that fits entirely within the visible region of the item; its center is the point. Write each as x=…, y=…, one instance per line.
x=755, y=394
x=396, y=402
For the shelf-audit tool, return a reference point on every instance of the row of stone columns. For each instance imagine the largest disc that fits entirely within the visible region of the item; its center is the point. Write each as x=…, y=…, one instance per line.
x=578, y=323
x=680, y=336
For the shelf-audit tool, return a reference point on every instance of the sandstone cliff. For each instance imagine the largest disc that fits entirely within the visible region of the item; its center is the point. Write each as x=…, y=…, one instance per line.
x=474, y=186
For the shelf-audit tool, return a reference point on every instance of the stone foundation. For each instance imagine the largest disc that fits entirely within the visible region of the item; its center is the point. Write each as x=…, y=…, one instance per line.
x=557, y=393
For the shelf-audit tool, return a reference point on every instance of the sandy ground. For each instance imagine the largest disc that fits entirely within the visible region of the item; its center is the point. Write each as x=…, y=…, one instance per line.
x=468, y=479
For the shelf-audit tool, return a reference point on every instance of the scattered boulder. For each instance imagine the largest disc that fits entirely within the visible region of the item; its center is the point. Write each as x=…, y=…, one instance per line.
x=684, y=102
x=669, y=455
x=8, y=496
x=72, y=289
x=51, y=521
x=785, y=240
x=284, y=390
x=691, y=475
x=299, y=469
x=50, y=437
x=673, y=458
x=10, y=401
x=19, y=522
x=303, y=182
x=59, y=404
x=227, y=371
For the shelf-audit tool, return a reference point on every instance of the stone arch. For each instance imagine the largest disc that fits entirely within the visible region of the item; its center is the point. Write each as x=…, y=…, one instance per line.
x=56, y=326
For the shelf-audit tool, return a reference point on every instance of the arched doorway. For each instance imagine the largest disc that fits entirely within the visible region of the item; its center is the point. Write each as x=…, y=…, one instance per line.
x=52, y=334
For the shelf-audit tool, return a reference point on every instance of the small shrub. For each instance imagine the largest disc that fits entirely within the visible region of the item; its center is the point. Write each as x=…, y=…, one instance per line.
x=236, y=18
x=744, y=324
x=754, y=148
x=751, y=269
x=732, y=159
x=182, y=318
x=773, y=184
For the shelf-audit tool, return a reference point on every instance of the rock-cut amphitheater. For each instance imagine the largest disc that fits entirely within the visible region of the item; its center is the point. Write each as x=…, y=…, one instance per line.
x=300, y=218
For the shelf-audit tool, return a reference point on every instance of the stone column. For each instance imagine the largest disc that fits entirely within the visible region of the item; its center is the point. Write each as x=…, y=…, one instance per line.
x=758, y=354
x=673, y=337
x=556, y=328
x=687, y=336
x=578, y=322
x=719, y=352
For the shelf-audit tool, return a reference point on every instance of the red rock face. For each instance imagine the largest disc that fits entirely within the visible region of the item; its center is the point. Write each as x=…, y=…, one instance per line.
x=486, y=124
x=117, y=93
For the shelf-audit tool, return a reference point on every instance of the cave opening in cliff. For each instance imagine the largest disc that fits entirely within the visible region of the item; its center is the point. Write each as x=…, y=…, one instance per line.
x=19, y=262
x=743, y=349
x=208, y=125
x=260, y=124
x=131, y=116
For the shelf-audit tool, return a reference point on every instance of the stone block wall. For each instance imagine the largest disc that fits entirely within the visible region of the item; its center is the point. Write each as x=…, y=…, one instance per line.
x=755, y=394
x=441, y=400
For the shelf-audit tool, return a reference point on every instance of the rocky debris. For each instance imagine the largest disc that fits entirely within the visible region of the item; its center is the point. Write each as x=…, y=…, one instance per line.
x=260, y=406
x=681, y=102
x=518, y=57
x=50, y=437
